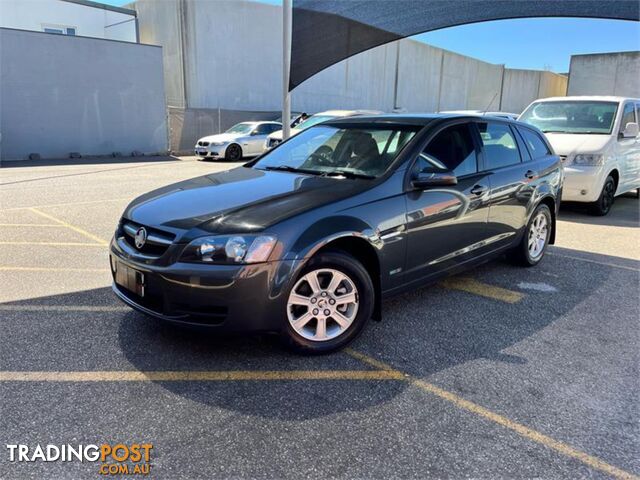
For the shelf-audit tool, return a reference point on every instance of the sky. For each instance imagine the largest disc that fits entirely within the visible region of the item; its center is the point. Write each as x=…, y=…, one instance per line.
x=532, y=43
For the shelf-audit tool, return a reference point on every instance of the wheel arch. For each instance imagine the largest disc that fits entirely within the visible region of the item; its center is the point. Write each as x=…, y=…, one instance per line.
x=237, y=145
x=550, y=202
x=616, y=176
x=348, y=235
x=363, y=251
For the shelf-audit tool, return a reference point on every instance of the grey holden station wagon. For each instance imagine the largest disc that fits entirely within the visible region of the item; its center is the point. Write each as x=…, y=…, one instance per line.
x=308, y=239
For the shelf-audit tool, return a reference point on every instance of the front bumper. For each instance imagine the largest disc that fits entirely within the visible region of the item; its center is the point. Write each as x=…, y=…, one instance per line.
x=211, y=151
x=230, y=298
x=582, y=184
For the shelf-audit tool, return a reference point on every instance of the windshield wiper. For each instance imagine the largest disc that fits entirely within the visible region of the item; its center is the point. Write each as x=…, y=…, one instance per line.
x=333, y=173
x=347, y=174
x=289, y=168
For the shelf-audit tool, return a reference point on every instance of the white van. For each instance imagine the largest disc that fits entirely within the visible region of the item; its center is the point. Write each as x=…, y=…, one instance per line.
x=598, y=142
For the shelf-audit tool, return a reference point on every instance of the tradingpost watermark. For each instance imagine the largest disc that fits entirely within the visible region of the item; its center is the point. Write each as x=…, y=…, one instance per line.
x=112, y=459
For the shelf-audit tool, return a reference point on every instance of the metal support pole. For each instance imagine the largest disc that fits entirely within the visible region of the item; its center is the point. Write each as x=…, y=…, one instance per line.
x=286, y=65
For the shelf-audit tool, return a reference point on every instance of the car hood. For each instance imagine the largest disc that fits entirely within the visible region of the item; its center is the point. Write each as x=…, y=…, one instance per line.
x=571, y=144
x=238, y=200
x=221, y=137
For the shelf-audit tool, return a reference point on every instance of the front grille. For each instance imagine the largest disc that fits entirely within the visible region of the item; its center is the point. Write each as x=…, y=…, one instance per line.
x=158, y=241
x=203, y=144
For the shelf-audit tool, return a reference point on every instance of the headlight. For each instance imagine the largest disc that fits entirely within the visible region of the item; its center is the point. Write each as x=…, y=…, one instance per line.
x=589, y=159
x=217, y=144
x=229, y=249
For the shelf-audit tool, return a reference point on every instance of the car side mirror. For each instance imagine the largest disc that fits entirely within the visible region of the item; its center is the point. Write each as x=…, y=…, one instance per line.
x=424, y=180
x=254, y=133
x=631, y=130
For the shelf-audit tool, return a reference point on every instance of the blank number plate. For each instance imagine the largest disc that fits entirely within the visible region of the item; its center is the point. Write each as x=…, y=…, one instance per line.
x=129, y=278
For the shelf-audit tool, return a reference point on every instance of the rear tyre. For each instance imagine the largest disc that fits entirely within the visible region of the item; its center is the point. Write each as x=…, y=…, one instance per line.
x=328, y=305
x=233, y=153
x=535, y=240
x=604, y=203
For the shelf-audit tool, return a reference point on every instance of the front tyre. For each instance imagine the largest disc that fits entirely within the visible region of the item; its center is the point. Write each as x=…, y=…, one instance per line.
x=329, y=304
x=535, y=240
x=604, y=203
x=233, y=153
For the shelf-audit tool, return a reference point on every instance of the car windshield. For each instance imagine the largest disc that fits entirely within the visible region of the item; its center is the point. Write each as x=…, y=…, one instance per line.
x=350, y=151
x=241, y=128
x=313, y=120
x=572, y=116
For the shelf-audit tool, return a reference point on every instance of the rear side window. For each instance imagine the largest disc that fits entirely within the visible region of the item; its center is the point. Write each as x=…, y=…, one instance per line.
x=500, y=147
x=451, y=149
x=536, y=145
x=263, y=129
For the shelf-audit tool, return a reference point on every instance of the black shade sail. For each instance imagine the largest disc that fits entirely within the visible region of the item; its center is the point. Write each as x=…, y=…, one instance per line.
x=325, y=32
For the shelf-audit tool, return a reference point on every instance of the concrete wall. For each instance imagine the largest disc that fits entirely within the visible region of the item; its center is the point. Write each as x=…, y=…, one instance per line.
x=159, y=23
x=521, y=87
x=605, y=74
x=225, y=55
x=87, y=20
x=63, y=94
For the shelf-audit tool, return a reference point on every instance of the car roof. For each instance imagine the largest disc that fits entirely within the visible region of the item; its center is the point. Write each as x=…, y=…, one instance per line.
x=421, y=119
x=346, y=113
x=483, y=113
x=599, y=98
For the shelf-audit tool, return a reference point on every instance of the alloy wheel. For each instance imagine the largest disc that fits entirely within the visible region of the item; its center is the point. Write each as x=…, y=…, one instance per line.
x=322, y=305
x=234, y=153
x=538, y=232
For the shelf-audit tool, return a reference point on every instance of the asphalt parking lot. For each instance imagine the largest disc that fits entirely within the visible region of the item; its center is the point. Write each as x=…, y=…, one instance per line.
x=502, y=372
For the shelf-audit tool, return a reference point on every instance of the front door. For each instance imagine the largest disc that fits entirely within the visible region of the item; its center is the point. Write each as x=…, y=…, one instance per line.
x=447, y=225
x=627, y=151
x=255, y=142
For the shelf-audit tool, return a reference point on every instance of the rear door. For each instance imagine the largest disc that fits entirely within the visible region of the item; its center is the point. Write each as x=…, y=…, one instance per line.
x=446, y=225
x=512, y=175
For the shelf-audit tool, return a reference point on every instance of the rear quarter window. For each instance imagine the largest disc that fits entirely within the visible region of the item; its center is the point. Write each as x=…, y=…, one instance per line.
x=535, y=143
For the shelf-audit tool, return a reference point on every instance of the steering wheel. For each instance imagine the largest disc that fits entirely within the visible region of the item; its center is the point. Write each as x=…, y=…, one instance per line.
x=323, y=156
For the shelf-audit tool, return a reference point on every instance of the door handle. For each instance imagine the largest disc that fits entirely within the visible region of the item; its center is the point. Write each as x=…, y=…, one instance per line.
x=531, y=174
x=479, y=190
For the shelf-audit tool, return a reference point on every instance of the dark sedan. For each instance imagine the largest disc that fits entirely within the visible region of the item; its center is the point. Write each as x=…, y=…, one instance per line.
x=309, y=238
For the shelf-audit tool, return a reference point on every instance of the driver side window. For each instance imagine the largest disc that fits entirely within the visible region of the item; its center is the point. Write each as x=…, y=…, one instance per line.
x=628, y=116
x=451, y=149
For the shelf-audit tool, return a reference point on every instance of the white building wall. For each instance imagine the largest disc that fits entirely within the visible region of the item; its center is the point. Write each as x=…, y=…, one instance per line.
x=232, y=54
x=50, y=106
x=159, y=23
x=88, y=21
